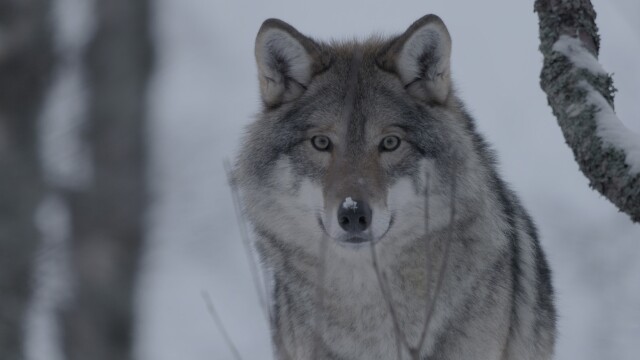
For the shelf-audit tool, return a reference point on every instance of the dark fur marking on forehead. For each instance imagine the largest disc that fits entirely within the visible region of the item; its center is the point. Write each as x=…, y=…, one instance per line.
x=346, y=117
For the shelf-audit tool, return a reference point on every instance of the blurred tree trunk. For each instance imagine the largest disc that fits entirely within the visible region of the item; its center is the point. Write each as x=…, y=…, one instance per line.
x=568, y=87
x=108, y=215
x=25, y=68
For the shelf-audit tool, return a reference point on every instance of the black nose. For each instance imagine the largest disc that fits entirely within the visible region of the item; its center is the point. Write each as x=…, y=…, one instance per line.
x=354, y=216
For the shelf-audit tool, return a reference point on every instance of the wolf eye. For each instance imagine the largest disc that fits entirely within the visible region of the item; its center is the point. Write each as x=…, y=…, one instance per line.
x=321, y=142
x=389, y=143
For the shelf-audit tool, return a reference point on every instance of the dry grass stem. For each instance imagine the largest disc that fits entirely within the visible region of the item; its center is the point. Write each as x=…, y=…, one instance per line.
x=431, y=296
x=382, y=282
x=244, y=234
x=216, y=319
x=443, y=264
x=320, y=291
x=428, y=264
x=255, y=275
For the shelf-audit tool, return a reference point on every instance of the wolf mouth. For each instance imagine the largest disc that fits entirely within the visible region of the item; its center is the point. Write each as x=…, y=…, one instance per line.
x=357, y=240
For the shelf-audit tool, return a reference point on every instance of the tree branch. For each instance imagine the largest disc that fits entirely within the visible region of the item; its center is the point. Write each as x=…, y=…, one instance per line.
x=580, y=94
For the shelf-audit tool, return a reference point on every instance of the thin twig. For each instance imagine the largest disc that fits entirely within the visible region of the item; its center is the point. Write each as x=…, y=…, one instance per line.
x=444, y=261
x=429, y=265
x=220, y=325
x=400, y=335
x=245, y=239
x=400, y=338
x=255, y=275
x=320, y=291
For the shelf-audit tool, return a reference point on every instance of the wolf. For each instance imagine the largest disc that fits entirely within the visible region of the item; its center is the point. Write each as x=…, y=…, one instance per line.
x=379, y=216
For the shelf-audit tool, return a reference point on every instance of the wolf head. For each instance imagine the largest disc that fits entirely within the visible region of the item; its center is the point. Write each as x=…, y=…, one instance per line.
x=356, y=138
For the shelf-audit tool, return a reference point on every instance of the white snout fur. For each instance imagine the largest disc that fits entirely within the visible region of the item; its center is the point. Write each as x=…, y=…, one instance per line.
x=299, y=212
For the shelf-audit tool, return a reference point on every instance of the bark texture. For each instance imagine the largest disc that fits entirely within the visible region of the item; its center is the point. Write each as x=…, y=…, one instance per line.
x=25, y=69
x=108, y=215
x=603, y=165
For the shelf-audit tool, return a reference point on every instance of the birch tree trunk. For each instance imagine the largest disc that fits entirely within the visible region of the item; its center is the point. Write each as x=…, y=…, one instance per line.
x=580, y=93
x=25, y=68
x=108, y=215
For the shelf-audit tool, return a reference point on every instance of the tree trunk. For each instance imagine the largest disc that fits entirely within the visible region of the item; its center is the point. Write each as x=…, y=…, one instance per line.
x=25, y=68
x=581, y=95
x=108, y=215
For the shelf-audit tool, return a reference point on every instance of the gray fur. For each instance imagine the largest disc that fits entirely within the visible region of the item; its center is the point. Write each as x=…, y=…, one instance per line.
x=496, y=299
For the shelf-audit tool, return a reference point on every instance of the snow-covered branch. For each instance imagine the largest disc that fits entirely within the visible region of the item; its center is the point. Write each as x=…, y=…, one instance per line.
x=580, y=92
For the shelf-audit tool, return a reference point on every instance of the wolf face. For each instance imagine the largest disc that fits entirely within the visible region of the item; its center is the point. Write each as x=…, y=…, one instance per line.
x=369, y=123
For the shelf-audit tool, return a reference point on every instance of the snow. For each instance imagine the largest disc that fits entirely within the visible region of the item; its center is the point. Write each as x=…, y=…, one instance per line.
x=612, y=131
x=573, y=49
x=609, y=127
x=349, y=204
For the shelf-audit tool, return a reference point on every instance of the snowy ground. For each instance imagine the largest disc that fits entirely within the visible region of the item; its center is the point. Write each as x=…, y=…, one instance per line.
x=205, y=91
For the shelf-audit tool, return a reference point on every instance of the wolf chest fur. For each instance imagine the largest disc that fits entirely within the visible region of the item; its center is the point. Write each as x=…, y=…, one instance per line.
x=378, y=213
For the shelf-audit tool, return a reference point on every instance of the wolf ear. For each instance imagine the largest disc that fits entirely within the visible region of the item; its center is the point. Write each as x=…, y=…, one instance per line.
x=421, y=58
x=287, y=60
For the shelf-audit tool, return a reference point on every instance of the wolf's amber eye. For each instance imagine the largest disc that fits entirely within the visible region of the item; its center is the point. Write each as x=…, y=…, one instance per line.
x=321, y=142
x=389, y=143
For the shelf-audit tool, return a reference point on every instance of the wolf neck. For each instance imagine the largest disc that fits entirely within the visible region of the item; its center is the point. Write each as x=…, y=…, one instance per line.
x=352, y=308
x=351, y=303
